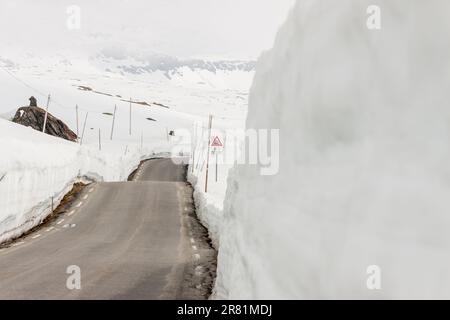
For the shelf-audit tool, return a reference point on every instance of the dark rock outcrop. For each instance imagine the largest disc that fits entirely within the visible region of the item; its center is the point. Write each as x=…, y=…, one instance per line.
x=34, y=117
x=33, y=101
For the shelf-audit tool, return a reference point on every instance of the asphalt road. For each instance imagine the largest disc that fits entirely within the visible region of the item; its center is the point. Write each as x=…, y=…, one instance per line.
x=126, y=240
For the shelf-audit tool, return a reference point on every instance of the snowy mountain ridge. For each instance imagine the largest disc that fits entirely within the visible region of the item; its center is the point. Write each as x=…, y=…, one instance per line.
x=171, y=65
x=205, y=73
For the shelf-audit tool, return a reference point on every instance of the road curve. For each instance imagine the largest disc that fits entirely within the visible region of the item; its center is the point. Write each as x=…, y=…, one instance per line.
x=130, y=240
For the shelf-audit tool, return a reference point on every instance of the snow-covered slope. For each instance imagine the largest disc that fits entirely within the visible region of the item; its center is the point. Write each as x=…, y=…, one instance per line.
x=171, y=91
x=364, y=174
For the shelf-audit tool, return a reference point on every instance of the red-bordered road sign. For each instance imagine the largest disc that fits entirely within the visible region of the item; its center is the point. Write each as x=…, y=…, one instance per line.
x=216, y=142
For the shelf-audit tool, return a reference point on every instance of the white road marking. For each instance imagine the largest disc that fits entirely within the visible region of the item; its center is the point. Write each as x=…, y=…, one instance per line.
x=71, y=213
x=192, y=240
x=60, y=221
x=73, y=225
x=36, y=236
x=91, y=190
x=196, y=256
x=79, y=204
x=18, y=243
x=85, y=197
x=50, y=229
x=65, y=226
x=194, y=247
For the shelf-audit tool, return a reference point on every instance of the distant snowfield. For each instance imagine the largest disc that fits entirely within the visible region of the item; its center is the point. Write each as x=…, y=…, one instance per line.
x=35, y=167
x=190, y=94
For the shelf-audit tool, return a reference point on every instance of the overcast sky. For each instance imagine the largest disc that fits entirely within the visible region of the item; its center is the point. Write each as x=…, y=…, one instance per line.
x=185, y=28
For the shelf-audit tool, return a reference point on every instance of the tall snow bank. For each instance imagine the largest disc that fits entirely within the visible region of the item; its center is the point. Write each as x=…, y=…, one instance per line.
x=209, y=205
x=35, y=167
x=364, y=122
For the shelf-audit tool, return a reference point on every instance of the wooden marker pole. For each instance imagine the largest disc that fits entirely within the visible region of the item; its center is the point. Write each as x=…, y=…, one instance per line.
x=99, y=140
x=78, y=131
x=217, y=161
x=46, y=114
x=84, y=128
x=130, y=117
x=114, y=119
x=209, y=149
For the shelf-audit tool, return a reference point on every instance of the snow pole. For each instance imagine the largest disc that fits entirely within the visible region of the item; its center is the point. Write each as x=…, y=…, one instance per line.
x=114, y=119
x=209, y=149
x=84, y=128
x=199, y=158
x=99, y=140
x=46, y=114
x=194, y=142
x=130, y=116
x=76, y=111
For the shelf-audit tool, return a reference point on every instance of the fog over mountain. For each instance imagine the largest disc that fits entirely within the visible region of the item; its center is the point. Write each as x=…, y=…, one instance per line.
x=217, y=29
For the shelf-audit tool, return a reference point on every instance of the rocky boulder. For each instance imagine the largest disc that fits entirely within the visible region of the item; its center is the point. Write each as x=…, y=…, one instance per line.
x=34, y=117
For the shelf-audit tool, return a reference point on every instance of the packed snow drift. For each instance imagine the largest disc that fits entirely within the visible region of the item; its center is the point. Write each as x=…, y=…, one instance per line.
x=363, y=182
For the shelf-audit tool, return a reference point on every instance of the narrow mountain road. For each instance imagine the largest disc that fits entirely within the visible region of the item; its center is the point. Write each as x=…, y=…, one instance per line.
x=128, y=240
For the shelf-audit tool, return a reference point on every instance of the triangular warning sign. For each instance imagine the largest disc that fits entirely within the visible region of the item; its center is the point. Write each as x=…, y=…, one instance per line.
x=216, y=142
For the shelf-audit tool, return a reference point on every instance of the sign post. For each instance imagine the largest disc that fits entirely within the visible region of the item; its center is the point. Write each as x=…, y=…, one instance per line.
x=217, y=159
x=209, y=148
x=217, y=144
x=99, y=140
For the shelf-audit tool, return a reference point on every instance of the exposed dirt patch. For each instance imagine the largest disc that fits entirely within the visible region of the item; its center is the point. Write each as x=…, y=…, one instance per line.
x=142, y=103
x=84, y=88
x=133, y=174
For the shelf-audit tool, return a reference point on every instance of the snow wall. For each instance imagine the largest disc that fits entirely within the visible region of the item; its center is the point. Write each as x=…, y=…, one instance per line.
x=364, y=119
